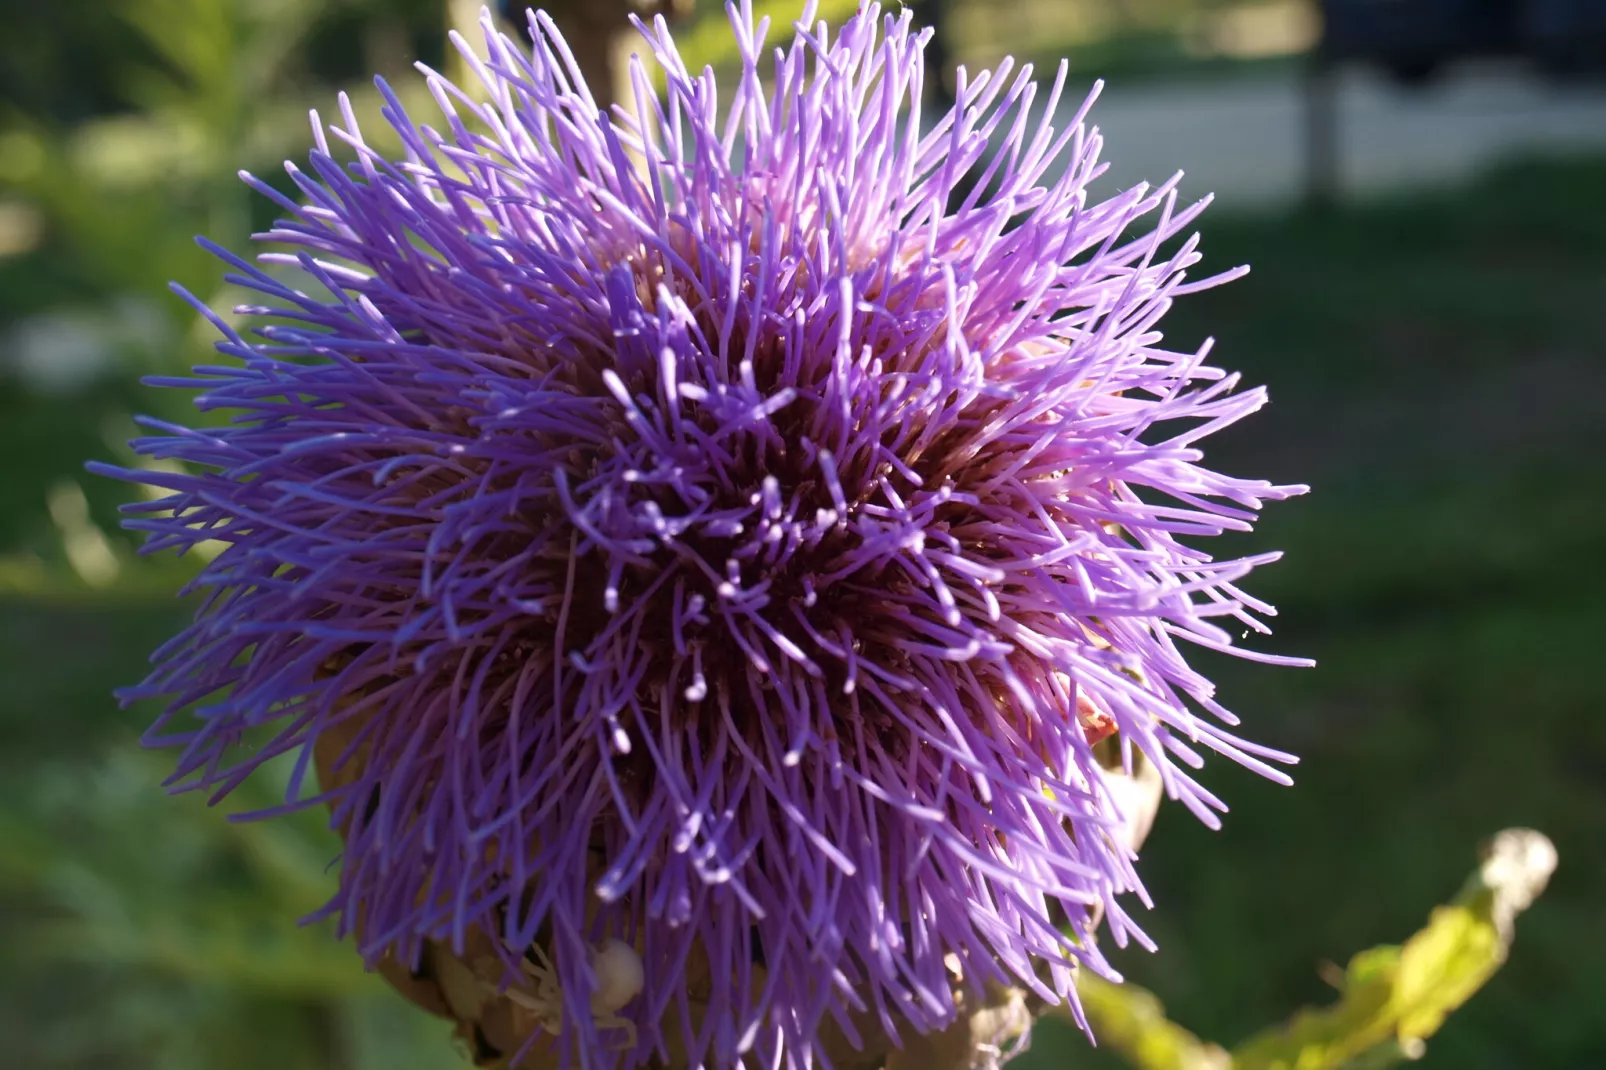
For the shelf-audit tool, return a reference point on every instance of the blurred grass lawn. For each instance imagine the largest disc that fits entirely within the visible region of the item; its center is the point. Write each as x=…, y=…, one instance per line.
x=1438, y=373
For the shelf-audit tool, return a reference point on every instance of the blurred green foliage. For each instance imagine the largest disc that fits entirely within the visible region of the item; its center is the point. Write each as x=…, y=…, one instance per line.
x=139, y=931
x=1436, y=365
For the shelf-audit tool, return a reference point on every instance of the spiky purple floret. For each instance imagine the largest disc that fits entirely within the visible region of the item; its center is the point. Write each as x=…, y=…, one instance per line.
x=715, y=503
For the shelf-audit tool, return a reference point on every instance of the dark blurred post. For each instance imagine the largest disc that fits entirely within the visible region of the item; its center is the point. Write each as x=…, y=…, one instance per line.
x=598, y=32
x=933, y=13
x=1321, y=127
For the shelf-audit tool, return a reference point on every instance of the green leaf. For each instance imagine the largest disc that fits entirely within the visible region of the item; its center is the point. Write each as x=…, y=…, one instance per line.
x=1392, y=998
x=1132, y=1022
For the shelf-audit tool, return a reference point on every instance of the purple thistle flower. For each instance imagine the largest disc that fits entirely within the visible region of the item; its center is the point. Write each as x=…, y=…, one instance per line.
x=723, y=533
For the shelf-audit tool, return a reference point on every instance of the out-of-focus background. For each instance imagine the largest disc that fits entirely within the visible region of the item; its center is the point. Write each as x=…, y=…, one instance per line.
x=1421, y=188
